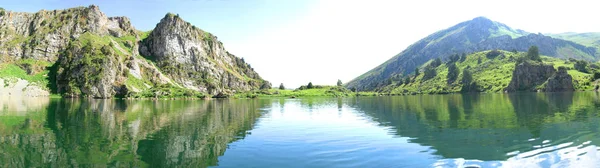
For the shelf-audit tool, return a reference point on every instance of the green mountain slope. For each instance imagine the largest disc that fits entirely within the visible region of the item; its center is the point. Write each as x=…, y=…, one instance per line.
x=471, y=36
x=489, y=74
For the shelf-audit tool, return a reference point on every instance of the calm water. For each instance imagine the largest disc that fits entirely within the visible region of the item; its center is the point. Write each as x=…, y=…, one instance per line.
x=486, y=130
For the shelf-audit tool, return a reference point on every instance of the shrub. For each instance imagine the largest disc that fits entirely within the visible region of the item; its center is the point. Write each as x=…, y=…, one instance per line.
x=493, y=54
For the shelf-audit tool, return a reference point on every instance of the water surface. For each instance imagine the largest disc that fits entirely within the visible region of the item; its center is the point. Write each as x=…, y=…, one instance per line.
x=486, y=130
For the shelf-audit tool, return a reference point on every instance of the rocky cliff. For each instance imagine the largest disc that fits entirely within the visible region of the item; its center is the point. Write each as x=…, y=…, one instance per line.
x=528, y=75
x=80, y=52
x=561, y=81
x=534, y=76
x=43, y=35
x=196, y=59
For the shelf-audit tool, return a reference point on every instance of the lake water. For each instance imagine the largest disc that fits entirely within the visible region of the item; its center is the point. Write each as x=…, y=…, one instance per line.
x=480, y=130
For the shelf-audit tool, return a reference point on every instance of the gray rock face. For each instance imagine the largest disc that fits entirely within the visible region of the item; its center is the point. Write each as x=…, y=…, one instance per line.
x=528, y=75
x=561, y=81
x=196, y=59
x=42, y=35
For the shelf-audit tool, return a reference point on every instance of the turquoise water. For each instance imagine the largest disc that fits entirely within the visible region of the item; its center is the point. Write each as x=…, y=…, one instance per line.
x=481, y=130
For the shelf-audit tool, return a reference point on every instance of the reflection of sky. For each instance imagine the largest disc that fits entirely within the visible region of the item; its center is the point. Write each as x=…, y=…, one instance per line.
x=323, y=134
x=561, y=155
x=322, y=137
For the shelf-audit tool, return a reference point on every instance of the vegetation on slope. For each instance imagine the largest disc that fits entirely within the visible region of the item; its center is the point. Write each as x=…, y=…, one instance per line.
x=490, y=71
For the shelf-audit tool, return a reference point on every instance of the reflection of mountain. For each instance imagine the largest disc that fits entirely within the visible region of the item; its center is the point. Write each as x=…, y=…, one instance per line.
x=488, y=126
x=199, y=139
x=73, y=133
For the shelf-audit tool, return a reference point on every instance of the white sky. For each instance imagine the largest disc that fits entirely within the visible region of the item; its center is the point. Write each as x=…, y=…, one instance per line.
x=343, y=39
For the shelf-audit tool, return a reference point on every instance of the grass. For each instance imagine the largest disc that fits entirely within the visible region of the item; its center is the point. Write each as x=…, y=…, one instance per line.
x=319, y=91
x=14, y=70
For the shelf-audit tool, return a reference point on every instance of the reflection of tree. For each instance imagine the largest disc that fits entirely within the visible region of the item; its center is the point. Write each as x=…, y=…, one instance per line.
x=76, y=133
x=484, y=126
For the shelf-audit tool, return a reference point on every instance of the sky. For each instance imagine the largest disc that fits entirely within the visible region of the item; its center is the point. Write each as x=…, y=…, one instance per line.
x=299, y=41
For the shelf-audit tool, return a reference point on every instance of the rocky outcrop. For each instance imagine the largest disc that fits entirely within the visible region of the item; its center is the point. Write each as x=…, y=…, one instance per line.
x=528, y=75
x=559, y=82
x=43, y=35
x=196, y=59
x=93, y=55
x=536, y=76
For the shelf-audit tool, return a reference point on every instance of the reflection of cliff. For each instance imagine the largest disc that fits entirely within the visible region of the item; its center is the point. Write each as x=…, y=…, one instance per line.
x=486, y=126
x=76, y=133
x=198, y=139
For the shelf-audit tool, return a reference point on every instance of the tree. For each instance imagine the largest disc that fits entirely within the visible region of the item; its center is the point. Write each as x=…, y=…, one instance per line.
x=281, y=87
x=596, y=75
x=353, y=89
x=463, y=57
x=416, y=72
x=429, y=72
x=453, y=58
x=467, y=81
x=339, y=82
x=436, y=62
x=534, y=54
x=581, y=66
x=452, y=73
x=407, y=80
x=310, y=85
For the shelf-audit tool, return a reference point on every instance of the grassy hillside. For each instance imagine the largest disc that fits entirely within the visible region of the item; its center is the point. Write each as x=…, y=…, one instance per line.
x=490, y=74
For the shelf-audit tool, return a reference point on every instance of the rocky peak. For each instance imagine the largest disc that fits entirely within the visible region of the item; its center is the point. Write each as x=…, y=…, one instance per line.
x=196, y=59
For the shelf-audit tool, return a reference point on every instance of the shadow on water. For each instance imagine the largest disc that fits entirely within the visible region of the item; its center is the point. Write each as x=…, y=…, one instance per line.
x=488, y=127
x=119, y=133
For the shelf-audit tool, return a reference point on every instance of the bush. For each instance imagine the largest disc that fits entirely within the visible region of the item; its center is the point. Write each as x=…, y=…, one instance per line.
x=493, y=54
x=310, y=85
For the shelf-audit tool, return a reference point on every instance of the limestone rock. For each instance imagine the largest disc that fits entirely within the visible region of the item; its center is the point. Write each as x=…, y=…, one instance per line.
x=559, y=82
x=528, y=75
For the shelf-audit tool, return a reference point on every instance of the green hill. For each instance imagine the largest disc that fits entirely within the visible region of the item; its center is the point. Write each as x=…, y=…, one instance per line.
x=491, y=74
x=471, y=36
